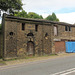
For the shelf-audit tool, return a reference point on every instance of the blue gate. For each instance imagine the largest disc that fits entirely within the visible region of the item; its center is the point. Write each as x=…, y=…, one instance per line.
x=70, y=47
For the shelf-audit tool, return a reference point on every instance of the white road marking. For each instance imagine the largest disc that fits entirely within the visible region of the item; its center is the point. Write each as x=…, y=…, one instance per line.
x=68, y=73
x=65, y=72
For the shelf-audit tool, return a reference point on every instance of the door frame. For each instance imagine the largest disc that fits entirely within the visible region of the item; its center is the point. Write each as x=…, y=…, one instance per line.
x=33, y=47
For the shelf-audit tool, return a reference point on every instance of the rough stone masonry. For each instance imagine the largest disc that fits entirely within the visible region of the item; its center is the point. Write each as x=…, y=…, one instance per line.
x=29, y=37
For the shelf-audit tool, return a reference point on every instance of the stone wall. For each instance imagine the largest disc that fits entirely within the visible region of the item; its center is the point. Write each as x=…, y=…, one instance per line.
x=62, y=36
x=10, y=39
x=42, y=43
x=16, y=39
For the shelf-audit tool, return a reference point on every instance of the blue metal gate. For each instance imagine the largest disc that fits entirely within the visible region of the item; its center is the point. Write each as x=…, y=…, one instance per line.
x=70, y=47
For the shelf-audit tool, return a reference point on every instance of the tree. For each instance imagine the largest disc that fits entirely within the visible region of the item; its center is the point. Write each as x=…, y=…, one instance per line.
x=52, y=17
x=21, y=14
x=29, y=15
x=11, y=5
x=34, y=15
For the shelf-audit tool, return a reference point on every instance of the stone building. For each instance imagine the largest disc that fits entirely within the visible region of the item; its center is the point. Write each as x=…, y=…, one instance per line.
x=26, y=37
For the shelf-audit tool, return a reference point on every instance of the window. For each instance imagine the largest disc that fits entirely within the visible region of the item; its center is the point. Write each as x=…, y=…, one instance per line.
x=23, y=26
x=67, y=28
x=55, y=31
x=36, y=27
x=11, y=33
x=46, y=34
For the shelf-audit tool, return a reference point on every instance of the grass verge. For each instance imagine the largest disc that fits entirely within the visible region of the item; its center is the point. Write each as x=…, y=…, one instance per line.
x=2, y=62
x=26, y=59
x=31, y=57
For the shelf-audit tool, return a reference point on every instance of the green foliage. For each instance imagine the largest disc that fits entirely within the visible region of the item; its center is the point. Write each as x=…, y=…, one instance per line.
x=21, y=14
x=29, y=15
x=52, y=17
x=34, y=15
x=2, y=63
x=11, y=5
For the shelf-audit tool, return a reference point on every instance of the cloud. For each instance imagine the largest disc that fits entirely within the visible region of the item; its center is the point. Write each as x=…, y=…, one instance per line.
x=64, y=9
x=64, y=17
x=44, y=15
x=67, y=17
x=48, y=6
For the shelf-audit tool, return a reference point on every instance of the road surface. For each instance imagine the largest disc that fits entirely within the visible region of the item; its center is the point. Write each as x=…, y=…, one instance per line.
x=56, y=66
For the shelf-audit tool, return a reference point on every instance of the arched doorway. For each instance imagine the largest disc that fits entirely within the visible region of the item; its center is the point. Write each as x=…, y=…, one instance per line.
x=30, y=48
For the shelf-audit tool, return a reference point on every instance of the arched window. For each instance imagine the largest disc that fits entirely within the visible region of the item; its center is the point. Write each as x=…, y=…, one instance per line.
x=30, y=34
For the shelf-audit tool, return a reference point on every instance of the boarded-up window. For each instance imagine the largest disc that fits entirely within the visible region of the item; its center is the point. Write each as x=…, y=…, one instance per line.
x=55, y=31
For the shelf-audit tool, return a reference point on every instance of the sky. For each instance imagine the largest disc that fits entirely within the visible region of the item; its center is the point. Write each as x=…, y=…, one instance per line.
x=64, y=9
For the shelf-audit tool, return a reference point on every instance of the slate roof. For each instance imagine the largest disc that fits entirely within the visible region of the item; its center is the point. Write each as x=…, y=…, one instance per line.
x=37, y=20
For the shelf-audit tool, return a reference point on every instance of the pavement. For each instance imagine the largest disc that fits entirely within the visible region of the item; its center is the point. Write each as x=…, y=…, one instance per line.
x=33, y=59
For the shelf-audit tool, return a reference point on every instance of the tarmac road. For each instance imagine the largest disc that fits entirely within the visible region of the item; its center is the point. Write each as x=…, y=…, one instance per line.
x=57, y=66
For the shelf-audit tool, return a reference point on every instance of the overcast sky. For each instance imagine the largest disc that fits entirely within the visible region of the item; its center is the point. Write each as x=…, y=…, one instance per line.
x=64, y=9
